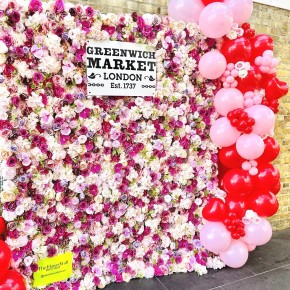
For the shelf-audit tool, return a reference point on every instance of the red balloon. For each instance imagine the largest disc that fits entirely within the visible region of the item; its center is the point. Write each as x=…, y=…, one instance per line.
x=237, y=182
x=13, y=280
x=267, y=178
x=5, y=258
x=275, y=89
x=251, y=82
x=271, y=152
x=207, y=2
x=2, y=225
x=264, y=203
x=215, y=210
x=236, y=49
x=230, y=157
x=260, y=43
x=276, y=189
x=237, y=205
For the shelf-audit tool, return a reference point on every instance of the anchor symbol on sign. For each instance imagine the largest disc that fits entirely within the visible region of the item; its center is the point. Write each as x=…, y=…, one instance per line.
x=151, y=79
x=93, y=76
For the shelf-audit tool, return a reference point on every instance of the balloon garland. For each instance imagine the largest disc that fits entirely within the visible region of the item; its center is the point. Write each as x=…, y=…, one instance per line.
x=247, y=103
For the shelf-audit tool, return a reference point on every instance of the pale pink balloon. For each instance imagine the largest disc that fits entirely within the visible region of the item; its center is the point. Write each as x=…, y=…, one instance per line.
x=258, y=234
x=215, y=237
x=241, y=9
x=248, y=103
x=235, y=73
x=251, y=247
x=250, y=146
x=258, y=60
x=264, y=118
x=212, y=65
x=269, y=53
x=223, y=134
x=227, y=100
x=216, y=20
x=185, y=10
x=236, y=255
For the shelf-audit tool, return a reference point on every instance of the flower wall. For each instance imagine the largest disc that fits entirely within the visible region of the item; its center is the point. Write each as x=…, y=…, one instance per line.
x=118, y=181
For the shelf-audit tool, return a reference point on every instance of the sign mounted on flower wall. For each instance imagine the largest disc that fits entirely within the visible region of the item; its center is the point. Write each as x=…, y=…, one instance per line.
x=120, y=69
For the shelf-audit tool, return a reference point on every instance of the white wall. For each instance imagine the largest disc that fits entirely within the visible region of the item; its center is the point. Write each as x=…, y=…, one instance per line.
x=285, y=4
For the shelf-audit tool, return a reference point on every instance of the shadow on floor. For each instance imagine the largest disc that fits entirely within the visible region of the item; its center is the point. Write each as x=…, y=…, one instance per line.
x=268, y=268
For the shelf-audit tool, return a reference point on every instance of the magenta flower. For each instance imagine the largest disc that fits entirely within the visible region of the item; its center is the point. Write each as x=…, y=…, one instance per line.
x=35, y=6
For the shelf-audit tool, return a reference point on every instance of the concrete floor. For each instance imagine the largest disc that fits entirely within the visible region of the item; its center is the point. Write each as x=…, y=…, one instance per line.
x=268, y=268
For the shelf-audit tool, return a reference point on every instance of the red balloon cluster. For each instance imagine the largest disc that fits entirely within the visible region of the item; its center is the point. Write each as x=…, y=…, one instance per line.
x=9, y=279
x=248, y=32
x=235, y=226
x=241, y=120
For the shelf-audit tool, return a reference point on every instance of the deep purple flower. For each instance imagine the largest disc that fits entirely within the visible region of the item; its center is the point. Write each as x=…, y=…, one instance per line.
x=34, y=267
x=96, y=168
x=14, y=16
x=146, y=30
x=90, y=11
x=85, y=113
x=12, y=161
x=46, y=229
x=35, y=5
x=59, y=6
x=69, y=98
x=51, y=251
x=8, y=40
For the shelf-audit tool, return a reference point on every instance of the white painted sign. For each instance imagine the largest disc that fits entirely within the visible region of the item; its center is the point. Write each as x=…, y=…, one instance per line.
x=120, y=69
x=285, y=4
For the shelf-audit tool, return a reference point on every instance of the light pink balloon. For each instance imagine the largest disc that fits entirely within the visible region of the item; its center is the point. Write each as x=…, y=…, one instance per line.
x=241, y=9
x=264, y=118
x=227, y=100
x=250, y=146
x=258, y=234
x=185, y=10
x=212, y=65
x=216, y=20
x=215, y=237
x=251, y=247
x=236, y=255
x=223, y=134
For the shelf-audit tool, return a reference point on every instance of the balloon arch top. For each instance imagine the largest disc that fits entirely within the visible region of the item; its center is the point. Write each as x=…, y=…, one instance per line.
x=133, y=187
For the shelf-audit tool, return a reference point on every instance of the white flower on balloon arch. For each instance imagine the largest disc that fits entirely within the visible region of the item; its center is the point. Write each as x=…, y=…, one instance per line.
x=251, y=217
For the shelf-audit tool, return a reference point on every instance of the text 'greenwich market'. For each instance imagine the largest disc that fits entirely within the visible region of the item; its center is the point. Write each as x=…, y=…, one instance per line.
x=101, y=58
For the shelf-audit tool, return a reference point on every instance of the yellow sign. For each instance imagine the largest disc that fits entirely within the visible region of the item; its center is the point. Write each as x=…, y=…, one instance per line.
x=54, y=269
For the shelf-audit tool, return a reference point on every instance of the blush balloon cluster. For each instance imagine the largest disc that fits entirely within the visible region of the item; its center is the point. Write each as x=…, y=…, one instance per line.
x=9, y=279
x=247, y=103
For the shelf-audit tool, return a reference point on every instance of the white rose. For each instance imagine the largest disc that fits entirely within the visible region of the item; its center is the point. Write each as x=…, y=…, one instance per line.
x=3, y=47
x=2, y=58
x=3, y=4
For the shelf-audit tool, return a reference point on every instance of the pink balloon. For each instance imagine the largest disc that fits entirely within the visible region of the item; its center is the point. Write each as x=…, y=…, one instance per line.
x=212, y=65
x=223, y=134
x=215, y=237
x=251, y=247
x=185, y=10
x=241, y=9
x=227, y=100
x=258, y=234
x=250, y=146
x=216, y=20
x=236, y=255
x=264, y=118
